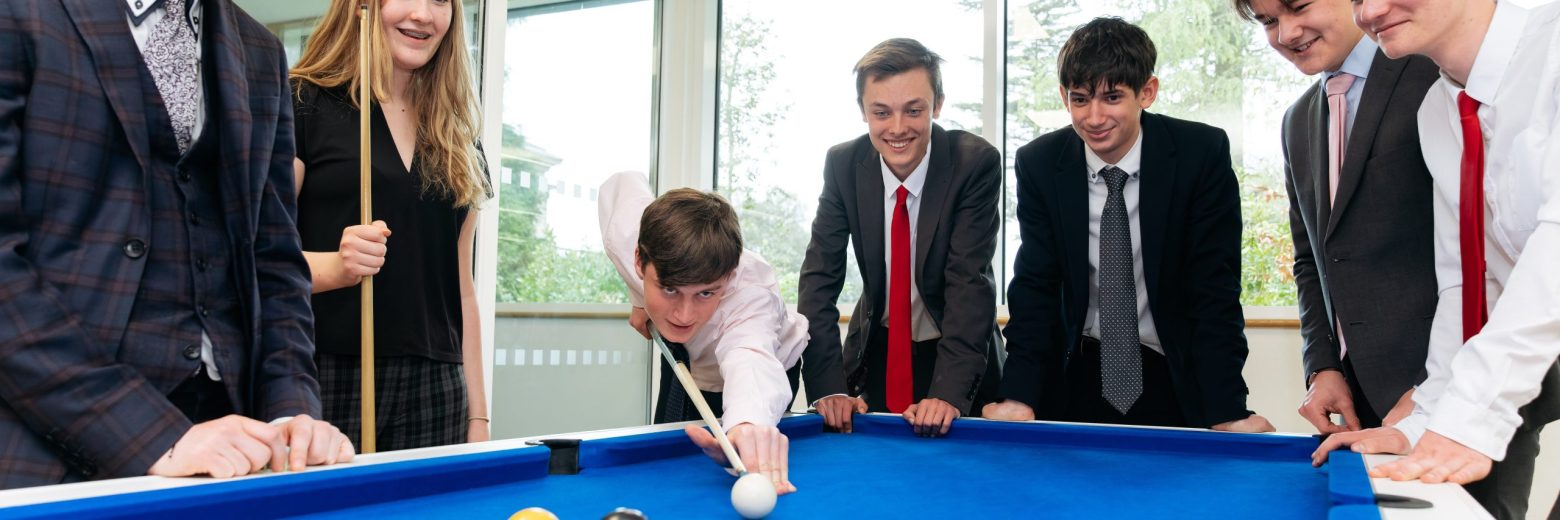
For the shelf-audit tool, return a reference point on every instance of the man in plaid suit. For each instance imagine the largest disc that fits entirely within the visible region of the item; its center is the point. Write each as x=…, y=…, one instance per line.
x=153, y=296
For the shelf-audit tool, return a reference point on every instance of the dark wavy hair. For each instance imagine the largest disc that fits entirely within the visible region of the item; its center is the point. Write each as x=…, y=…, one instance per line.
x=691, y=237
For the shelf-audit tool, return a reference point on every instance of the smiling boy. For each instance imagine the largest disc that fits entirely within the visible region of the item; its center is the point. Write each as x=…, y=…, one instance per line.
x=917, y=204
x=1125, y=300
x=1488, y=135
x=1359, y=196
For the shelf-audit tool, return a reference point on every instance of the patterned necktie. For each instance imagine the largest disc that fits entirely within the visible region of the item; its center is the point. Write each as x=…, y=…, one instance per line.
x=170, y=56
x=1337, y=144
x=1471, y=218
x=898, y=379
x=1121, y=361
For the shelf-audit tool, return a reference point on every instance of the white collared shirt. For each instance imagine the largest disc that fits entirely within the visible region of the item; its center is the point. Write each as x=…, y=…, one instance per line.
x=142, y=33
x=922, y=328
x=1132, y=163
x=1474, y=389
x=746, y=347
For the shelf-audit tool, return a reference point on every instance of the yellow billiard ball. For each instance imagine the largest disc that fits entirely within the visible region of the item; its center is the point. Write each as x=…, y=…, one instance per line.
x=533, y=513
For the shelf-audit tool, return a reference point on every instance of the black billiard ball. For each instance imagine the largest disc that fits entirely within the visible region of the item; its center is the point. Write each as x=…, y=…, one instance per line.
x=623, y=513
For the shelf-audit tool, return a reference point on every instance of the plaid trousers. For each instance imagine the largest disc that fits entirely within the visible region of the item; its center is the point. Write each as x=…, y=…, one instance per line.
x=419, y=403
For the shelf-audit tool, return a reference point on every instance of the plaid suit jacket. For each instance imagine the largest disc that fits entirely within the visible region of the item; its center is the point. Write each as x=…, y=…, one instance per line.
x=74, y=222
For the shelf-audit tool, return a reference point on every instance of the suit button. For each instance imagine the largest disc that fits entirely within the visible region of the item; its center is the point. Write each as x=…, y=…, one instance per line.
x=192, y=352
x=203, y=310
x=202, y=265
x=184, y=175
x=135, y=248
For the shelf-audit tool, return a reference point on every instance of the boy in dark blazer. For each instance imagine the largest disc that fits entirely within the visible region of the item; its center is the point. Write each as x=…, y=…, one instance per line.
x=155, y=300
x=1359, y=212
x=1125, y=300
x=918, y=204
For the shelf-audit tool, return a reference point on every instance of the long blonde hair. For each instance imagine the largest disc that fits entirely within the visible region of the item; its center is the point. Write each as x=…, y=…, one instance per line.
x=440, y=92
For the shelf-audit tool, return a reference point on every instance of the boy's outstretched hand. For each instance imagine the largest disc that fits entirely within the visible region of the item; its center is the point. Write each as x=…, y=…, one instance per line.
x=764, y=450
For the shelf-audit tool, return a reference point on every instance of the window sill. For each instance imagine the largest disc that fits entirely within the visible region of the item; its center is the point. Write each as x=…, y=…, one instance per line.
x=1256, y=317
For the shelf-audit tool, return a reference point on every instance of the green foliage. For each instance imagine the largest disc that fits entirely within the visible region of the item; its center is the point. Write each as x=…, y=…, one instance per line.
x=1266, y=247
x=1207, y=67
x=531, y=267
x=774, y=224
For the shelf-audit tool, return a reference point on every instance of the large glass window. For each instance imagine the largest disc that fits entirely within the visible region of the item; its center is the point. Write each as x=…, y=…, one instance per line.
x=787, y=94
x=1213, y=68
x=578, y=90
x=577, y=109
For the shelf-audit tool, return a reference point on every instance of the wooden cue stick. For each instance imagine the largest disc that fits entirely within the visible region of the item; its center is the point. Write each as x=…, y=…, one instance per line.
x=366, y=217
x=698, y=402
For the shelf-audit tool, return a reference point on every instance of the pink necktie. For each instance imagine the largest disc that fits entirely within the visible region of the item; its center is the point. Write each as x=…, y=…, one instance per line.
x=1337, y=139
x=1337, y=128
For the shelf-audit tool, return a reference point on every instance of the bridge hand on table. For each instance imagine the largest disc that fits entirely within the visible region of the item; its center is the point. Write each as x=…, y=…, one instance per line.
x=764, y=450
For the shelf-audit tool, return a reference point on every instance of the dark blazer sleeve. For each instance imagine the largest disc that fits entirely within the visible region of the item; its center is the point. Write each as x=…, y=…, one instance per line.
x=969, y=290
x=1213, y=281
x=1035, y=323
x=100, y=417
x=1319, y=351
x=822, y=278
x=285, y=382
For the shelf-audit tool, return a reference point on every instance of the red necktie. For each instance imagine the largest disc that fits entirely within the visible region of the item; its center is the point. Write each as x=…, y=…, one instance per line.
x=1471, y=215
x=897, y=379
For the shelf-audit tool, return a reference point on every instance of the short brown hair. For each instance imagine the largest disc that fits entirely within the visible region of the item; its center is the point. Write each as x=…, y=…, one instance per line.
x=1243, y=8
x=691, y=237
x=897, y=56
x=1107, y=50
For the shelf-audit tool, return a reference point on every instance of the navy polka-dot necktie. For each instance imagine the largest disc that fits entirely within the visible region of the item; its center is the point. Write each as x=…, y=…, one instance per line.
x=1121, y=361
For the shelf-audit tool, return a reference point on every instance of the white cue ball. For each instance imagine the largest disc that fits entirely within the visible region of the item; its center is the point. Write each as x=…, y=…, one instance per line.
x=753, y=496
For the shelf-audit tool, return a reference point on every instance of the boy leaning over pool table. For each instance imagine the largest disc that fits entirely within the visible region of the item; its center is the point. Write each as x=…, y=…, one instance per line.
x=719, y=309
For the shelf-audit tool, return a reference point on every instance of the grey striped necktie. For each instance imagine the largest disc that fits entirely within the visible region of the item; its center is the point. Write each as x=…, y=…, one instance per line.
x=1121, y=361
x=171, y=58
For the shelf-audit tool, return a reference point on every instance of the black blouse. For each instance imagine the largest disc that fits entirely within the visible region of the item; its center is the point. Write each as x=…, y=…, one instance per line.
x=417, y=292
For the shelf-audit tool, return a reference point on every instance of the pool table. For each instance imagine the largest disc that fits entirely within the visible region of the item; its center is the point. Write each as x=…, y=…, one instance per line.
x=982, y=469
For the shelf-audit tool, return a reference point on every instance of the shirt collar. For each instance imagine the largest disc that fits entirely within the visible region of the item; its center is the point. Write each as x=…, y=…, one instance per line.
x=139, y=8
x=914, y=182
x=1131, y=163
x=1359, y=60
x=1500, y=43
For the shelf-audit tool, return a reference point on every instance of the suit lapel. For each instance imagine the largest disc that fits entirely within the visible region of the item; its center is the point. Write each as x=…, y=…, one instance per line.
x=934, y=194
x=1071, y=196
x=1157, y=178
x=118, y=63
x=869, y=201
x=223, y=56
x=1383, y=79
x=1316, y=128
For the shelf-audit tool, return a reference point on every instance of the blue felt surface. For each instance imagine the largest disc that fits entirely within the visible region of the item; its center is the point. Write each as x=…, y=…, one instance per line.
x=983, y=469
